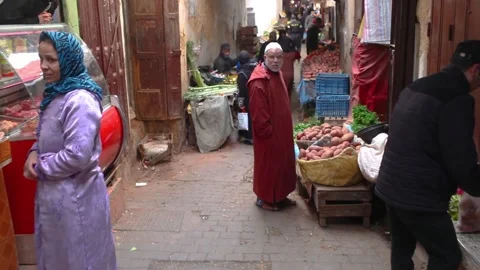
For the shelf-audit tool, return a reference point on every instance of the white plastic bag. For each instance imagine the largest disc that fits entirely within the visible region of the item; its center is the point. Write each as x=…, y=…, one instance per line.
x=243, y=121
x=469, y=214
x=370, y=157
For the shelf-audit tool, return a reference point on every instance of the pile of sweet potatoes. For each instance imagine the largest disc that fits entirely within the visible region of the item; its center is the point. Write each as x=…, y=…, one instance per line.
x=334, y=139
x=317, y=132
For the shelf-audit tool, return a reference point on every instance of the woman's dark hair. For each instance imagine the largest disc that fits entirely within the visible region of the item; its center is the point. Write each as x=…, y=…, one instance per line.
x=45, y=38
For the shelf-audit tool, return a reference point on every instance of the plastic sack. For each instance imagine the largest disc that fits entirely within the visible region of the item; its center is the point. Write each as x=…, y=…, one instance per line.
x=339, y=171
x=469, y=214
x=370, y=157
x=242, y=121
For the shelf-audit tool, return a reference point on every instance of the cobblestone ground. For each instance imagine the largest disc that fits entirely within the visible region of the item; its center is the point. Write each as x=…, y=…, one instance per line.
x=198, y=212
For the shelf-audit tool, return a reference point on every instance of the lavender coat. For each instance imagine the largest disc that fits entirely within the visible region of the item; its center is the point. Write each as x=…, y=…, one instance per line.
x=72, y=211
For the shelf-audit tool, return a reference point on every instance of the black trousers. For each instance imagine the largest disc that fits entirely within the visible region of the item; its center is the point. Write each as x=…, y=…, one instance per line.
x=297, y=41
x=434, y=231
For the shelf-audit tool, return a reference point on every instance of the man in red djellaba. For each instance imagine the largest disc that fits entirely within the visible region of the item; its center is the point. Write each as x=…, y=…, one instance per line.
x=274, y=158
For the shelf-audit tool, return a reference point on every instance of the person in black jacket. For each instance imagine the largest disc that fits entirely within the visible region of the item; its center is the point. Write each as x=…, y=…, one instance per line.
x=313, y=35
x=272, y=37
x=429, y=154
x=27, y=11
x=223, y=63
x=246, y=69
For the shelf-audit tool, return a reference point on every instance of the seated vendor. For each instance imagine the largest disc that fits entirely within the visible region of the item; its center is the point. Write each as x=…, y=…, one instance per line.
x=223, y=63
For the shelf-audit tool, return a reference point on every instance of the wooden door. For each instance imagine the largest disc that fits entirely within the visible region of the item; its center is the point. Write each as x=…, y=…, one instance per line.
x=155, y=56
x=452, y=22
x=101, y=30
x=147, y=44
x=173, y=54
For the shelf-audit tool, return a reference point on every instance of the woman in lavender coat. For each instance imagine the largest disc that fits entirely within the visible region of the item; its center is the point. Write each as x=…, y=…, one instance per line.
x=72, y=211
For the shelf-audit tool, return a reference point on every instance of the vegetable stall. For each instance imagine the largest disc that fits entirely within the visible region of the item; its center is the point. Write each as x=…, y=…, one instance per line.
x=210, y=103
x=328, y=167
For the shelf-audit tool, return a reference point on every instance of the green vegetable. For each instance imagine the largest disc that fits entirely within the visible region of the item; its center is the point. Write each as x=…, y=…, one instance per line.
x=301, y=126
x=192, y=65
x=199, y=93
x=454, y=206
x=363, y=118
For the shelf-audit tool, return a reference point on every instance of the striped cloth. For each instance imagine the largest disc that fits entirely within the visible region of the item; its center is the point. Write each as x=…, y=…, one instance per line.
x=378, y=21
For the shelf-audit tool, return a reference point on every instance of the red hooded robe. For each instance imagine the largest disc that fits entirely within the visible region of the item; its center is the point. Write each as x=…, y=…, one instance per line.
x=274, y=158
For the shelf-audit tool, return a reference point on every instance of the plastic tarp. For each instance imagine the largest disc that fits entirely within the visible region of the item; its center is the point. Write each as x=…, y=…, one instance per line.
x=306, y=91
x=370, y=157
x=378, y=21
x=213, y=122
x=370, y=76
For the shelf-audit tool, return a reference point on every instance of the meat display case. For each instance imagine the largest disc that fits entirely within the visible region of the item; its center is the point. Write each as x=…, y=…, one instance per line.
x=21, y=91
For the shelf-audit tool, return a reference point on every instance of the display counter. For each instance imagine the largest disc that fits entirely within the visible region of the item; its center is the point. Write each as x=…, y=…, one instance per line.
x=21, y=91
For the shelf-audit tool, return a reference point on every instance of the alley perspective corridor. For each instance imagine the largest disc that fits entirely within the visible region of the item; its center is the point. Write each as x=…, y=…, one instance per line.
x=198, y=213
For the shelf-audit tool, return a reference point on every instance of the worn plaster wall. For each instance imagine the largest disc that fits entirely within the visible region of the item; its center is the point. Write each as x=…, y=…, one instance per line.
x=70, y=11
x=424, y=8
x=209, y=23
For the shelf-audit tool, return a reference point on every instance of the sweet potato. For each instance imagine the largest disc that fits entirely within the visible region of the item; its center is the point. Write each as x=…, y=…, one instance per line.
x=336, y=141
x=310, y=156
x=337, y=152
x=348, y=137
x=303, y=153
x=327, y=154
x=345, y=130
x=327, y=125
x=304, y=138
x=327, y=131
x=317, y=158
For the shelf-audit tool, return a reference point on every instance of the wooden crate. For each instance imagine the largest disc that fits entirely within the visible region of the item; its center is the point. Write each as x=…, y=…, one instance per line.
x=249, y=31
x=353, y=201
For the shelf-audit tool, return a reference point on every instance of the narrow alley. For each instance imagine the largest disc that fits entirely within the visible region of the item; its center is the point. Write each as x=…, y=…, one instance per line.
x=239, y=134
x=198, y=212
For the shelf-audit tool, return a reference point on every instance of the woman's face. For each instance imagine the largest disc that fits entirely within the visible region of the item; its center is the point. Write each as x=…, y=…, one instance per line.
x=49, y=62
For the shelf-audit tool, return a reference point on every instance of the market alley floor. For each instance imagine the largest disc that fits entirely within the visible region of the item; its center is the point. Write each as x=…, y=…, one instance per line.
x=197, y=213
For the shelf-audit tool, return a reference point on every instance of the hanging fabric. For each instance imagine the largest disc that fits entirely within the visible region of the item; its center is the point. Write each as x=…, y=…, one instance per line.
x=378, y=21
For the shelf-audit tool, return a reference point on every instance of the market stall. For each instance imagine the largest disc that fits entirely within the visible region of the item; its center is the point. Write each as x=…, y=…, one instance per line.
x=330, y=170
x=210, y=102
x=326, y=60
x=21, y=91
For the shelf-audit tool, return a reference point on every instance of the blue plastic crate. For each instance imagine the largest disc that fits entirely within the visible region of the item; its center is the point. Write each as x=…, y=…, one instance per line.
x=332, y=105
x=332, y=84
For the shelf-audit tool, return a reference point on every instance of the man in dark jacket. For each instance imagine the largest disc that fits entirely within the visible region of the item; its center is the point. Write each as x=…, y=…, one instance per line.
x=295, y=30
x=246, y=69
x=223, y=63
x=429, y=154
x=27, y=11
x=313, y=35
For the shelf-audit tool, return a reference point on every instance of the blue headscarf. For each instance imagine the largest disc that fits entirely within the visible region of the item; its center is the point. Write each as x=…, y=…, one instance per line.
x=73, y=73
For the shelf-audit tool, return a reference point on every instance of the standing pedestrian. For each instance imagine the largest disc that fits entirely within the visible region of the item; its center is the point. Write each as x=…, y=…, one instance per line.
x=295, y=30
x=429, y=154
x=274, y=158
x=244, y=73
x=313, y=35
x=72, y=211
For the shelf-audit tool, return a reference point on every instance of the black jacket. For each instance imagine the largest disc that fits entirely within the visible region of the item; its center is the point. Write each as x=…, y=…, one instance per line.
x=312, y=38
x=24, y=11
x=430, y=150
x=224, y=64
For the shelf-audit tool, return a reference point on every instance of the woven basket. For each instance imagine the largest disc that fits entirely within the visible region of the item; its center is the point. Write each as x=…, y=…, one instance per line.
x=339, y=171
